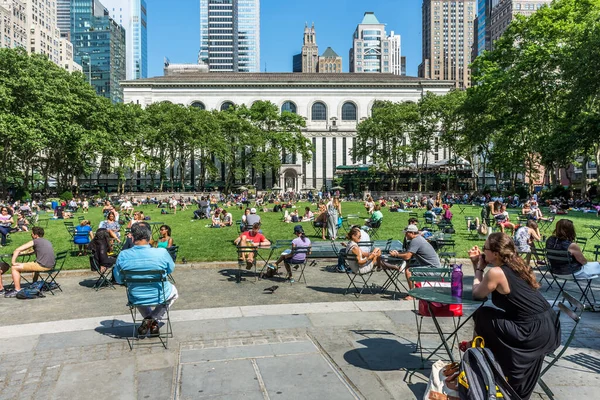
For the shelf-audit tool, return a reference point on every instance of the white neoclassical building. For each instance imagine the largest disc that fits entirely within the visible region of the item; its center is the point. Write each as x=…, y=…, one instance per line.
x=332, y=105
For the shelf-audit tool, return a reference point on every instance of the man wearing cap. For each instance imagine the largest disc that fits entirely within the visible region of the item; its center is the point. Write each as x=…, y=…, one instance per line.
x=252, y=218
x=420, y=249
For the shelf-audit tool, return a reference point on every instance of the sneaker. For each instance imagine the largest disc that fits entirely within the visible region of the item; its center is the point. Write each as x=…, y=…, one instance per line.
x=2, y=291
x=272, y=266
x=11, y=293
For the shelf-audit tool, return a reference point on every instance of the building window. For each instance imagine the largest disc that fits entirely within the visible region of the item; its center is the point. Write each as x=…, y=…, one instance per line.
x=344, y=151
x=324, y=162
x=348, y=112
x=198, y=104
x=319, y=112
x=226, y=106
x=288, y=106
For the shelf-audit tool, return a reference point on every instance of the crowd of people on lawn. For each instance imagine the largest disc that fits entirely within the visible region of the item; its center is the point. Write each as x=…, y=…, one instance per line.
x=520, y=330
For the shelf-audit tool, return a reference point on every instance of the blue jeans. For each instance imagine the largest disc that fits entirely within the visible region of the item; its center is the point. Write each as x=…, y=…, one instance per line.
x=4, y=230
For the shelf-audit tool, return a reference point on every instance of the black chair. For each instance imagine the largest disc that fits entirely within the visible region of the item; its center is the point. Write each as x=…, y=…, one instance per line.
x=50, y=276
x=103, y=280
x=374, y=228
x=155, y=280
x=544, y=224
x=582, y=242
x=574, y=311
x=243, y=252
x=558, y=260
x=318, y=227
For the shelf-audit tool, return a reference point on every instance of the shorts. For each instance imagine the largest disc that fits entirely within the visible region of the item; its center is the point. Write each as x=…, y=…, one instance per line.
x=368, y=267
x=33, y=267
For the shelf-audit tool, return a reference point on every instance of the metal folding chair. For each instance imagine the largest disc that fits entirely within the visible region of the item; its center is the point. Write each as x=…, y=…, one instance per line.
x=445, y=250
x=424, y=275
x=50, y=276
x=318, y=228
x=173, y=253
x=155, y=281
x=574, y=311
x=103, y=280
x=596, y=251
x=541, y=264
x=374, y=228
x=562, y=257
x=242, y=251
x=582, y=242
x=544, y=224
x=352, y=276
x=300, y=265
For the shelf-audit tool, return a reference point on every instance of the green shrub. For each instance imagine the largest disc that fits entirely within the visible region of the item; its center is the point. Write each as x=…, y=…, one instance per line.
x=68, y=195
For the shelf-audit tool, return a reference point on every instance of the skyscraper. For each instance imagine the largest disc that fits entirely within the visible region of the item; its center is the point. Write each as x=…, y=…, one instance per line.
x=372, y=50
x=483, y=42
x=308, y=59
x=33, y=26
x=448, y=30
x=503, y=12
x=132, y=15
x=99, y=47
x=230, y=35
x=63, y=17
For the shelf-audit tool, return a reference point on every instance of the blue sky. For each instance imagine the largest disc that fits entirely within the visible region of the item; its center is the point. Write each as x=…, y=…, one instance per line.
x=173, y=29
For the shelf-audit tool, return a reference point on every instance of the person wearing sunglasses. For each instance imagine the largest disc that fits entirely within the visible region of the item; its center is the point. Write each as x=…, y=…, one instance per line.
x=522, y=327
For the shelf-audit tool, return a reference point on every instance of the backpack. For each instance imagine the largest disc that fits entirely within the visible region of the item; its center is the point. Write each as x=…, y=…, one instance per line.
x=28, y=294
x=481, y=377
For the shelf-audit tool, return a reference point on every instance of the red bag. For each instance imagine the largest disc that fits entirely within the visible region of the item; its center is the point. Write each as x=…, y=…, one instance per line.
x=439, y=309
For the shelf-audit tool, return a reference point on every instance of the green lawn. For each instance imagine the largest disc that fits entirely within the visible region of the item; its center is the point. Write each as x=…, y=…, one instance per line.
x=200, y=243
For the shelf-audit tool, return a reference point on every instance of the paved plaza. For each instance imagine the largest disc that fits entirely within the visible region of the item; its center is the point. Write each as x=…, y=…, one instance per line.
x=232, y=341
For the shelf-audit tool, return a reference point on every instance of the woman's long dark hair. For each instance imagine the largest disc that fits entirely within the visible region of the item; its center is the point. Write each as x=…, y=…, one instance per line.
x=502, y=244
x=101, y=237
x=564, y=230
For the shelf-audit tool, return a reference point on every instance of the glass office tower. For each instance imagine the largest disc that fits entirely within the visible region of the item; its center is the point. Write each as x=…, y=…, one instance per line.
x=99, y=47
x=132, y=15
x=230, y=35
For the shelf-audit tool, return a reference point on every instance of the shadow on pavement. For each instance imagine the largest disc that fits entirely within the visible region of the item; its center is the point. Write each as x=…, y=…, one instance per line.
x=585, y=360
x=115, y=329
x=380, y=354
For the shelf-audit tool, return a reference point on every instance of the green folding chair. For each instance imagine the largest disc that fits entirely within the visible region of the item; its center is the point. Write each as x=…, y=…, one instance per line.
x=155, y=281
x=574, y=311
x=49, y=276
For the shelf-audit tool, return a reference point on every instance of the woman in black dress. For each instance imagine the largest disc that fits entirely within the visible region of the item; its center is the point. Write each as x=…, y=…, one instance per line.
x=525, y=327
x=100, y=246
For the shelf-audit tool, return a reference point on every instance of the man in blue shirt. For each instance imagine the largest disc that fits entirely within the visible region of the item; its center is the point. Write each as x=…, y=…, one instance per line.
x=143, y=257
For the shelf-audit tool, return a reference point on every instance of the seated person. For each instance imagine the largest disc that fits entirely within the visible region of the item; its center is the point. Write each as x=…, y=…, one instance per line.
x=563, y=238
x=364, y=238
x=251, y=238
x=294, y=216
x=244, y=224
x=6, y=222
x=365, y=261
x=321, y=220
x=142, y=257
x=101, y=247
x=22, y=223
x=525, y=238
x=288, y=258
x=164, y=240
x=430, y=216
x=106, y=208
x=111, y=225
x=60, y=213
x=369, y=205
x=531, y=212
x=216, y=219
x=419, y=249
x=446, y=214
x=44, y=260
x=521, y=329
x=83, y=235
x=308, y=215
x=252, y=218
x=226, y=218
x=287, y=218
x=376, y=217
x=503, y=219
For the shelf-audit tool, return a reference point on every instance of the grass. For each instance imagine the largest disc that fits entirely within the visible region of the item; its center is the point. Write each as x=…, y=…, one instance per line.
x=200, y=243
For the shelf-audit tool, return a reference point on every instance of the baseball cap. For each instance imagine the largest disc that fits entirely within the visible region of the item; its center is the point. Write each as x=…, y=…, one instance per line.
x=411, y=228
x=298, y=229
x=253, y=210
